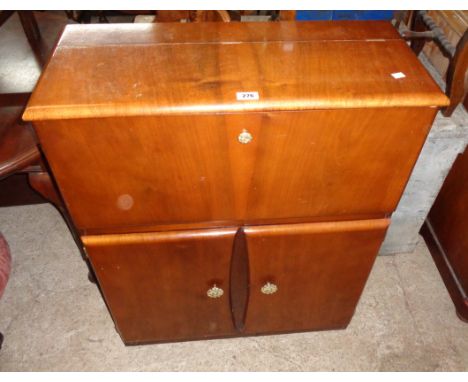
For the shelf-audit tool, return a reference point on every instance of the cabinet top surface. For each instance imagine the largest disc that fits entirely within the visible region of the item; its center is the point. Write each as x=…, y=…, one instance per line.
x=175, y=68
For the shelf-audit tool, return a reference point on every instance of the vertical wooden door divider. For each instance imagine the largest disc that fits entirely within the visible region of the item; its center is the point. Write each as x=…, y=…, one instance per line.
x=239, y=280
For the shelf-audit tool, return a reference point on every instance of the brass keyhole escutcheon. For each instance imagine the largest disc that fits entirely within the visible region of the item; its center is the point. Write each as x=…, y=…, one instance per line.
x=269, y=288
x=245, y=137
x=214, y=292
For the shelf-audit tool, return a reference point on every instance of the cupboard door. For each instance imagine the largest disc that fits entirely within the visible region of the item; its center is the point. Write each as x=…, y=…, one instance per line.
x=165, y=286
x=308, y=276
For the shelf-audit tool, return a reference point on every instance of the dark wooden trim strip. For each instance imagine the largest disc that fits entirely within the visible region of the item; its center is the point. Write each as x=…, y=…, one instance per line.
x=239, y=280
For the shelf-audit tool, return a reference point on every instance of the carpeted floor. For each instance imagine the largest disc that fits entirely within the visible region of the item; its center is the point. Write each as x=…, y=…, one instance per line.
x=53, y=318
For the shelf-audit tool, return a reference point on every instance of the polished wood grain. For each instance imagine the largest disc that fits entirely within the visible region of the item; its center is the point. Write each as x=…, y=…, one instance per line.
x=447, y=226
x=145, y=138
x=174, y=170
x=320, y=270
x=156, y=284
x=182, y=170
x=204, y=77
x=334, y=162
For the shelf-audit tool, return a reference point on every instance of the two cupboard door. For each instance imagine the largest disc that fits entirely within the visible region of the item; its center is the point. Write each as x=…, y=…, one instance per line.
x=227, y=282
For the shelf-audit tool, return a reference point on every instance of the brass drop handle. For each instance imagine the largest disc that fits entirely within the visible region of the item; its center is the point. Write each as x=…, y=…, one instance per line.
x=269, y=288
x=214, y=292
x=245, y=137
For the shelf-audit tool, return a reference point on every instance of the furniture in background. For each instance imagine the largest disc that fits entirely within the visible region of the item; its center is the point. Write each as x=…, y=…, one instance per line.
x=192, y=16
x=21, y=60
x=232, y=188
x=31, y=30
x=337, y=15
x=283, y=15
x=5, y=269
x=20, y=154
x=447, y=139
x=424, y=28
x=446, y=234
x=155, y=15
x=18, y=151
x=453, y=24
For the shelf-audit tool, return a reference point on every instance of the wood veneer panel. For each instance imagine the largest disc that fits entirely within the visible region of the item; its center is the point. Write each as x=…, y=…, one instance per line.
x=334, y=162
x=155, y=284
x=320, y=270
x=140, y=126
x=191, y=170
x=204, y=77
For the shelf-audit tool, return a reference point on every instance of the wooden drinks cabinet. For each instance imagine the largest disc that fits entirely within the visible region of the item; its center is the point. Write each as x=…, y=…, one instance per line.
x=232, y=179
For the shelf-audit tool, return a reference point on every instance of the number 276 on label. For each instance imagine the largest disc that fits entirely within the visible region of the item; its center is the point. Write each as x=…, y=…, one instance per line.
x=247, y=96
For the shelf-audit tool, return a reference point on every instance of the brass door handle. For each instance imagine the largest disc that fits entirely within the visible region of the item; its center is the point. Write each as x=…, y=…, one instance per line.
x=269, y=288
x=214, y=292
